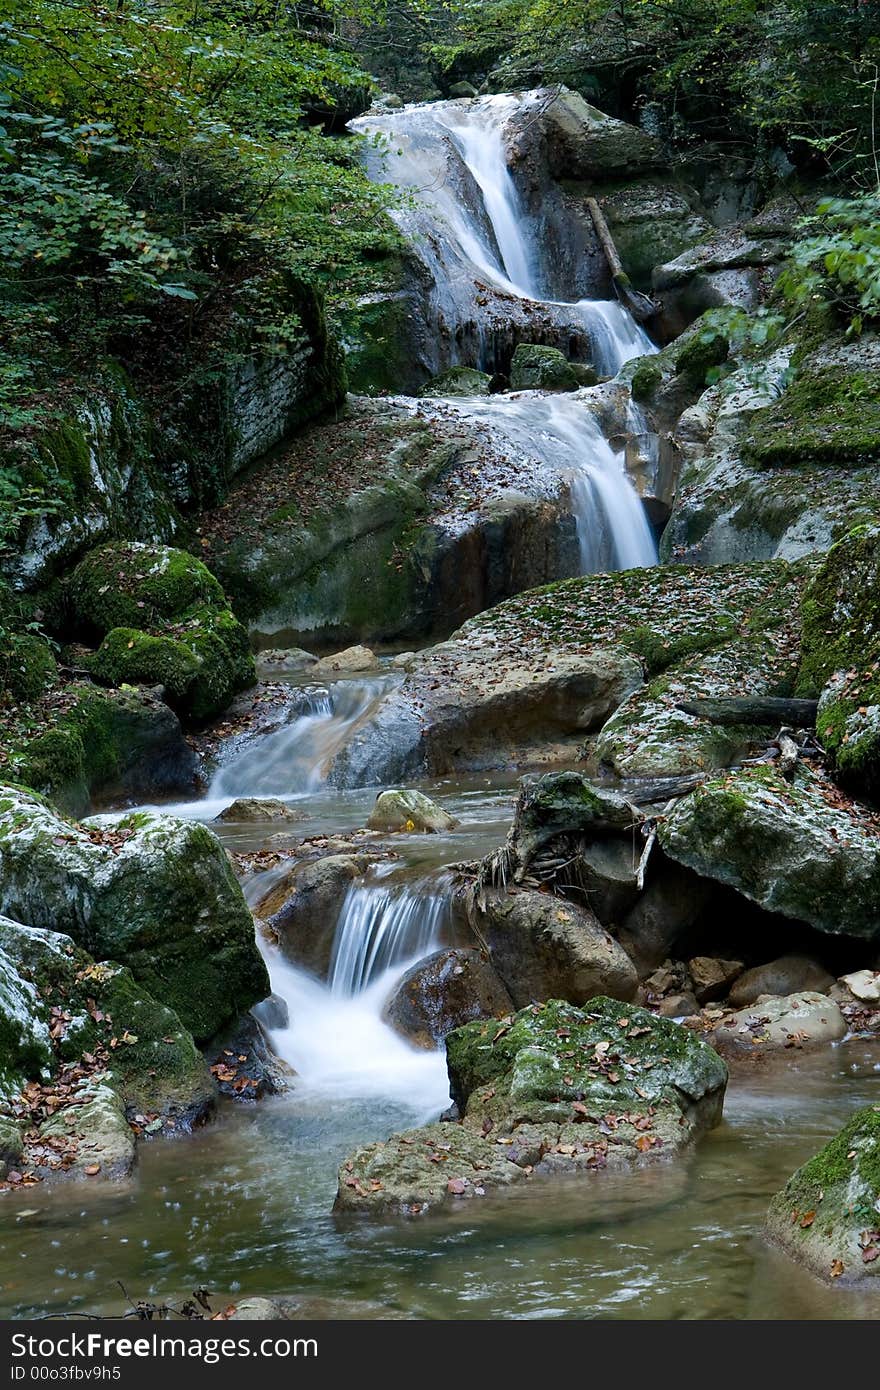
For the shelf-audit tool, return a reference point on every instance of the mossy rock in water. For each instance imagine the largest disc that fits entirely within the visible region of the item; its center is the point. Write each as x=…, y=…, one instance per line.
x=829, y=414
x=131, y=584
x=840, y=658
x=554, y=1089
x=458, y=381
x=827, y=1216
x=151, y=892
x=164, y=621
x=538, y=368
x=154, y=1064
x=790, y=847
x=106, y=742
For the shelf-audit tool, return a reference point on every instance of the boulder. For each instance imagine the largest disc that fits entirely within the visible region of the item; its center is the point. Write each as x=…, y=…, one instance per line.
x=794, y=848
x=863, y=985
x=538, y=368
x=25, y=1050
x=651, y=223
x=544, y=947
x=827, y=1216
x=282, y=661
x=302, y=910
x=556, y=1090
x=774, y=1022
x=458, y=381
x=243, y=1064
x=443, y=992
x=841, y=657
x=785, y=975
x=607, y=876
x=585, y=143
x=351, y=659
x=152, y=892
x=712, y=977
x=679, y=1005
x=250, y=810
x=11, y=1145
x=98, y=1138
x=409, y=810
x=107, y=744
x=164, y=621
x=670, y=906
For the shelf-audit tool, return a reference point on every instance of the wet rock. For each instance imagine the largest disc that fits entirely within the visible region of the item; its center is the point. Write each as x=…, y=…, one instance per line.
x=796, y=848
x=713, y=977
x=786, y=975
x=244, y=1065
x=773, y=1022
x=672, y=903
x=864, y=985
x=154, y=893
x=585, y=143
x=538, y=368
x=544, y=947
x=25, y=1050
x=272, y=1013
x=302, y=910
x=827, y=1216
x=462, y=89
x=445, y=991
x=555, y=1090
x=409, y=810
x=98, y=1133
x=282, y=661
x=253, y=809
x=357, y=658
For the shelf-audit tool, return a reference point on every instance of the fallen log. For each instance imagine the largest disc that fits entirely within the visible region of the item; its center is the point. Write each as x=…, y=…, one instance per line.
x=756, y=709
x=639, y=305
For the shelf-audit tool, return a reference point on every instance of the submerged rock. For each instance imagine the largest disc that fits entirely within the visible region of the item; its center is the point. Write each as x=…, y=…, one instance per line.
x=772, y=1022
x=149, y=891
x=443, y=992
x=547, y=948
x=555, y=1090
x=409, y=810
x=827, y=1216
x=795, y=848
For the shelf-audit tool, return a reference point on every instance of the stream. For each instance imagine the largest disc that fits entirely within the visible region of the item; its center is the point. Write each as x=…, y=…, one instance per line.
x=244, y=1205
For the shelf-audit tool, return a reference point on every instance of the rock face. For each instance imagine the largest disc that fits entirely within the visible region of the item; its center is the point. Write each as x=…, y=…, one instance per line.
x=827, y=1216
x=796, y=1020
x=841, y=657
x=443, y=992
x=538, y=368
x=555, y=1090
x=302, y=910
x=409, y=810
x=546, y=948
x=163, y=620
x=789, y=847
x=151, y=892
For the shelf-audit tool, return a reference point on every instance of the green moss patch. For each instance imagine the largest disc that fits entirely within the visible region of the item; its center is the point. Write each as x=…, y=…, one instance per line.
x=828, y=415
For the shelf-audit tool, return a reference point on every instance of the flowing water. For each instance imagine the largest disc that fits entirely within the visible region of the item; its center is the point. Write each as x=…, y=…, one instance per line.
x=245, y=1205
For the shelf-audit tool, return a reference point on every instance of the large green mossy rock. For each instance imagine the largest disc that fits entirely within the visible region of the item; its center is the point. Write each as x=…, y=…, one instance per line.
x=827, y=1216
x=98, y=1009
x=840, y=659
x=554, y=1089
x=105, y=743
x=794, y=848
x=538, y=368
x=164, y=621
x=151, y=892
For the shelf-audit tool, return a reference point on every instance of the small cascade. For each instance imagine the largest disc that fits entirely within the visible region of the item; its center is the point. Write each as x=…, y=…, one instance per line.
x=383, y=929
x=295, y=759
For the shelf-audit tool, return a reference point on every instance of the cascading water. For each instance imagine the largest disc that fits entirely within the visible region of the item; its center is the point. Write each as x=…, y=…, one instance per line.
x=337, y=1040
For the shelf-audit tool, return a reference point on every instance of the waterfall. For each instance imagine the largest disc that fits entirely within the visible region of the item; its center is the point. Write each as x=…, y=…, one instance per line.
x=295, y=759
x=612, y=529
x=383, y=928
x=465, y=220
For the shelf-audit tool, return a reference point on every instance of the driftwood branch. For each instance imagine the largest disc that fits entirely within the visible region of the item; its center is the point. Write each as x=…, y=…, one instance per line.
x=639, y=305
x=760, y=709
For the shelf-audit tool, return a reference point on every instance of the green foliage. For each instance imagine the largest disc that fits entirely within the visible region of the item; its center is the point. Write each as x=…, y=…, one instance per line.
x=838, y=262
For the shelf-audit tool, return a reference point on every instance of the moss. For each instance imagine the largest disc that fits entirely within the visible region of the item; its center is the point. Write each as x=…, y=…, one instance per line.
x=128, y=656
x=828, y=415
x=27, y=667
x=139, y=586
x=537, y=367
x=848, y=1164
x=701, y=352
x=646, y=380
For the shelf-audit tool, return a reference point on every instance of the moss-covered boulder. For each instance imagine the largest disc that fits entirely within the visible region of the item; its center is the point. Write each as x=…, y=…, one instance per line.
x=538, y=368
x=840, y=659
x=27, y=665
x=25, y=1050
x=551, y=1090
x=409, y=809
x=151, y=892
x=164, y=621
x=458, y=381
x=827, y=1216
x=794, y=848
x=101, y=744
